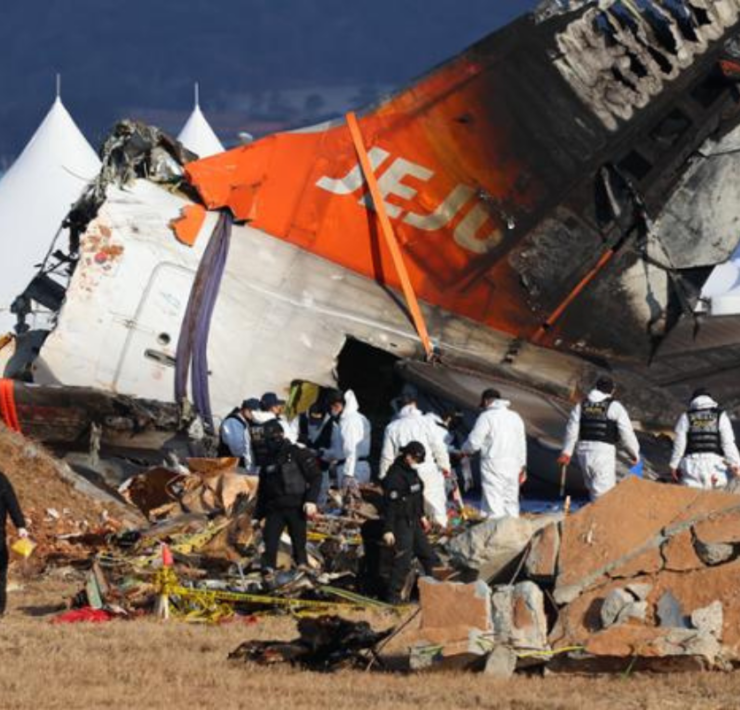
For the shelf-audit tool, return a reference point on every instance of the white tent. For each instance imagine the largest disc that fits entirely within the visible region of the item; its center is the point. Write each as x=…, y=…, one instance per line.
x=35, y=196
x=197, y=134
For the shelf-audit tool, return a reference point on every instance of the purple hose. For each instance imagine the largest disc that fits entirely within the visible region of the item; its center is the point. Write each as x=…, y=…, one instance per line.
x=192, y=345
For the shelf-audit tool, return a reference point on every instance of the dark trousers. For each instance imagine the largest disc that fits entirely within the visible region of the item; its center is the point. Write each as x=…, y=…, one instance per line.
x=275, y=522
x=3, y=577
x=411, y=541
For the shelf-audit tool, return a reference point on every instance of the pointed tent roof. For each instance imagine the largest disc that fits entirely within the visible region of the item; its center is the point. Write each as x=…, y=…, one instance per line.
x=197, y=134
x=35, y=196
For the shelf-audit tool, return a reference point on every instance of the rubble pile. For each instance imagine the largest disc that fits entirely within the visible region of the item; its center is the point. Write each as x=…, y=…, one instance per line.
x=66, y=515
x=645, y=578
x=198, y=556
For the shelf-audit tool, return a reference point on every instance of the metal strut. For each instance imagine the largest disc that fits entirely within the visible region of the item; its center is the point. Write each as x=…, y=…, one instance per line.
x=390, y=238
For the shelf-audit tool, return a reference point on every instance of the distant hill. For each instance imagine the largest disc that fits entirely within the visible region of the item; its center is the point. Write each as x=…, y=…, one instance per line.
x=259, y=59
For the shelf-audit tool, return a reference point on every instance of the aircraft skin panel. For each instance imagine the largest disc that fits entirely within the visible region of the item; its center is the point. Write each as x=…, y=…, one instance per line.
x=483, y=158
x=282, y=314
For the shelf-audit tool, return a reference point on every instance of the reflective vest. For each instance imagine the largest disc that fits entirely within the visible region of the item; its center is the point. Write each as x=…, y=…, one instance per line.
x=704, y=436
x=596, y=425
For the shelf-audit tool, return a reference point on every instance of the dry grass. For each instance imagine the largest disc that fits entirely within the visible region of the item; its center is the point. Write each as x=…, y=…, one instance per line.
x=146, y=664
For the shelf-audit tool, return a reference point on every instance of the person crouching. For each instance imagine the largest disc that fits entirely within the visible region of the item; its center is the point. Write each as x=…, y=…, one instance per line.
x=404, y=523
x=289, y=485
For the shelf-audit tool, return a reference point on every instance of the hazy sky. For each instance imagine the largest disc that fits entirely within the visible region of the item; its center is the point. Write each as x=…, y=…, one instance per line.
x=118, y=57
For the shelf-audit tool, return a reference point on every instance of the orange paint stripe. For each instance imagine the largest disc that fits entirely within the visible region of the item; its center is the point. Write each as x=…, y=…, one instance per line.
x=390, y=237
x=7, y=404
x=585, y=281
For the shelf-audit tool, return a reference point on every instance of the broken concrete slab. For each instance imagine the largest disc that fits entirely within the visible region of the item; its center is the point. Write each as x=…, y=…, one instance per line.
x=614, y=603
x=669, y=612
x=719, y=528
x=542, y=560
x=626, y=526
x=714, y=553
x=654, y=643
x=488, y=548
x=648, y=562
x=454, y=605
x=709, y=619
x=579, y=621
x=519, y=616
x=639, y=591
x=679, y=554
x=501, y=663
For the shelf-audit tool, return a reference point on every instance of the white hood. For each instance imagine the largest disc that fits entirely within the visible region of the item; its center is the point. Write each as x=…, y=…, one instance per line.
x=499, y=404
x=598, y=396
x=351, y=406
x=410, y=410
x=262, y=417
x=703, y=402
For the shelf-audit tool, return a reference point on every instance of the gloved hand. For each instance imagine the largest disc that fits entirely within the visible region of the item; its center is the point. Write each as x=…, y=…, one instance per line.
x=564, y=459
x=22, y=533
x=675, y=475
x=310, y=510
x=389, y=539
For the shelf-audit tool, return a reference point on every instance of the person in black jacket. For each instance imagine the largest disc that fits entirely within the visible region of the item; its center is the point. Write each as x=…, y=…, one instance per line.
x=404, y=523
x=290, y=481
x=8, y=506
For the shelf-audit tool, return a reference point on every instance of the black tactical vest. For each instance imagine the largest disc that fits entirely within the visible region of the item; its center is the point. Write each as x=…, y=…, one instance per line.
x=596, y=425
x=260, y=452
x=703, y=436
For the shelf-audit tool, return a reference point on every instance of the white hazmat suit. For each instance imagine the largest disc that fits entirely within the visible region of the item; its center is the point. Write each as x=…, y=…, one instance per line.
x=704, y=470
x=500, y=437
x=412, y=425
x=350, y=443
x=598, y=459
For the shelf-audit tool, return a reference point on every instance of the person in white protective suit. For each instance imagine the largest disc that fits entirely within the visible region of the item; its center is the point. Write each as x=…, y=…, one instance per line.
x=704, y=450
x=444, y=425
x=594, y=429
x=350, y=441
x=500, y=437
x=412, y=425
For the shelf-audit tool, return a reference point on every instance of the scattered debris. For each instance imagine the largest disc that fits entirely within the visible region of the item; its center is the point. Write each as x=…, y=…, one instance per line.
x=327, y=643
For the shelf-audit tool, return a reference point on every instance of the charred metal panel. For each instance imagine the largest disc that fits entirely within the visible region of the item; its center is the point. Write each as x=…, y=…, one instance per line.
x=553, y=252
x=705, y=208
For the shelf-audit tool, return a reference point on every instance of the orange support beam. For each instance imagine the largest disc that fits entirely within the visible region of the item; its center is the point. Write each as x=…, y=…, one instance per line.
x=585, y=281
x=389, y=235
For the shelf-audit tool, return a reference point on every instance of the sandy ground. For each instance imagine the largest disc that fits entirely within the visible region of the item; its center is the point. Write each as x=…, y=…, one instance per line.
x=150, y=664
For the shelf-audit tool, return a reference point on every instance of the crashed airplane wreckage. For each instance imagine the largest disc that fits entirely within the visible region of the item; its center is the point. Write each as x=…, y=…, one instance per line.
x=557, y=196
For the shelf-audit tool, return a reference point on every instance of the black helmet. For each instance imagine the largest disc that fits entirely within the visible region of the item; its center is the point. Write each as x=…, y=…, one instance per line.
x=273, y=430
x=415, y=450
x=605, y=385
x=333, y=396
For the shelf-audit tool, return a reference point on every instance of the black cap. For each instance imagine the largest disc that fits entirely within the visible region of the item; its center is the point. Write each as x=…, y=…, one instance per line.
x=273, y=430
x=488, y=395
x=270, y=400
x=415, y=450
x=334, y=397
x=605, y=385
x=252, y=404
